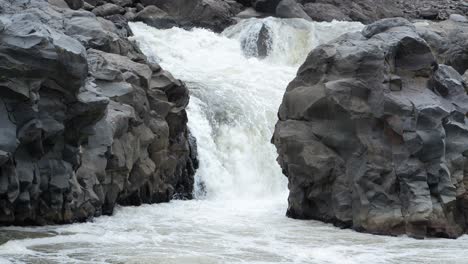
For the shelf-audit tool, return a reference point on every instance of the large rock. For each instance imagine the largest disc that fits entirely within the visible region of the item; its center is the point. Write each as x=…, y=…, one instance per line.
x=291, y=9
x=266, y=6
x=85, y=121
x=155, y=17
x=212, y=14
x=372, y=135
x=449, y=42
x=365, y=11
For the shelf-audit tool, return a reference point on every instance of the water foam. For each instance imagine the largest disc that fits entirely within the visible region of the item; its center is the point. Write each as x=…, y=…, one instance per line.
x=234, y=98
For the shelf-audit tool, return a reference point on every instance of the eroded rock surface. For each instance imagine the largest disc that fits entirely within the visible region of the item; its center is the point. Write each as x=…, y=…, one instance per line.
x=373, y=135
x=85, y=121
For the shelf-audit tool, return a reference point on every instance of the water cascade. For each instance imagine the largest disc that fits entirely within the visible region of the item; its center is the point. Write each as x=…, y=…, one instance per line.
x=238, y=215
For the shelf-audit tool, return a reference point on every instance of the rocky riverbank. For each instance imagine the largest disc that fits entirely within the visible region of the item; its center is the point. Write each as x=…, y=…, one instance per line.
x=86, y=121
x=373, y=134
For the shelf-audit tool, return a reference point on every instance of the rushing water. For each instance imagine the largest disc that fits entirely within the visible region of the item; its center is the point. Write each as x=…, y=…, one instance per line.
x=239, y=214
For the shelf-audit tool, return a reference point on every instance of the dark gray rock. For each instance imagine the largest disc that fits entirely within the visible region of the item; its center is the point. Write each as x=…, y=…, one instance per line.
x=372, y=135
x=366, y=11
x=449, y=41
x=108, y=10
x=213, y=14
x=75, y=4
x=85, y=121
x=265, y=6
x=59, y=3
x=291, y=9
x=155, y=17
x=316, y=12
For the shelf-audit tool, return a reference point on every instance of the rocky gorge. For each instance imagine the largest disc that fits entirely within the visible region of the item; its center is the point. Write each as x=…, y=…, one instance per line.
x=372, y=132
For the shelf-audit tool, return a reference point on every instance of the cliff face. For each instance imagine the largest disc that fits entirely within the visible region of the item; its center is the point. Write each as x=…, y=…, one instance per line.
x=85, y=120
x=373, y=134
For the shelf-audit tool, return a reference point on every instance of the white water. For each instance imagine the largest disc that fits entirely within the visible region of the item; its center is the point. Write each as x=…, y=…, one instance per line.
x=240, y=216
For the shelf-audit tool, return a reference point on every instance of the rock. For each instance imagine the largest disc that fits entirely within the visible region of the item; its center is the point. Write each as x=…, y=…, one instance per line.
x=85, y=121
x=265, y=6
x=108, y=10
x=429, y=13
x=122, y=3
x=213, y=14
x=88, y=7
x=449, y=42
x=59, y=3
x=315, y=12
x=370, y=135
x=458, y=18
x=366, y=11
x=75, y=4
x=291, y=9
x=155, y=17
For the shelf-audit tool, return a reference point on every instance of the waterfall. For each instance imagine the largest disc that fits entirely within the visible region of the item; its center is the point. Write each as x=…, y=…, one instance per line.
x=235, y=96
x=239, y=213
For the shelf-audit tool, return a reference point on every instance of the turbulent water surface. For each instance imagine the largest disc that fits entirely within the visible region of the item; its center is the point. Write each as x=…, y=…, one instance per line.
x=238, y=216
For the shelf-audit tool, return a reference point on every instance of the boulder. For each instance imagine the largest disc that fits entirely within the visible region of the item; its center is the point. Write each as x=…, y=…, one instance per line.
x=155, y=17
x=291, y=9
x=265, y=6
x=316, y=12
x=108, y=9
x=212, y=14
x=85, y=121
x=59, y=3
x=75, y=4
x=449, y=42
x=366, y=11
x=371, y=135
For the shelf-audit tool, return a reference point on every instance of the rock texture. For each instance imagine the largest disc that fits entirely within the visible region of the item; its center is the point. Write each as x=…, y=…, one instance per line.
x=85, y=121
x=212, y=14
x=373, y=135
x=366, y=11
x=448, y=41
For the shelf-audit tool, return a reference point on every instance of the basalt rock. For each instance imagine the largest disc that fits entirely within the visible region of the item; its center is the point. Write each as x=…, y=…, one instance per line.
x=449, y=42
x=373, y=135
x=85, y=121
x=212, y=14
x=366, y=11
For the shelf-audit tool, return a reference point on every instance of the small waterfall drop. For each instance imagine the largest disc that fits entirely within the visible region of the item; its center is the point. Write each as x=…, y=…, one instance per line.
x=235, y=96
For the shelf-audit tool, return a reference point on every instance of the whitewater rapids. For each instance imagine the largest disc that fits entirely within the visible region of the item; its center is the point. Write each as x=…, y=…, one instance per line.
x=238, y=215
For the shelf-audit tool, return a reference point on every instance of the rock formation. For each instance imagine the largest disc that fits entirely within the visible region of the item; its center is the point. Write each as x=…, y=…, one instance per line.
x=85, y=120
x=373, y=134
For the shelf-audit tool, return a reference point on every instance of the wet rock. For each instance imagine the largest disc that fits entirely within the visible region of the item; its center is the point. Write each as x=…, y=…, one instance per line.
x=249, y=13
x=215, y=15
x=370, y=135
x=85, y=121
x=315, y=12
x=59, y=3
x=449, y=42
x=75, y=4
x=265, y=6
x=155, y=17
x=291, y=9
x=108, y=10
x=366, y=11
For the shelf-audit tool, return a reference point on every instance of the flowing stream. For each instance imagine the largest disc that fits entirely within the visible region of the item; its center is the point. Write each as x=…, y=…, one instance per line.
x=238, y=215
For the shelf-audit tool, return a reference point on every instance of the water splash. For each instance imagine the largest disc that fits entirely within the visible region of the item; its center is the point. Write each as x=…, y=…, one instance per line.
x=235, y=98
